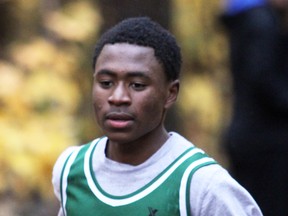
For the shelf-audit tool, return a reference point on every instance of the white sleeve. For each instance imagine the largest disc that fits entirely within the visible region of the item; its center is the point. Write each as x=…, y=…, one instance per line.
x=56, y=173
x=214, y=192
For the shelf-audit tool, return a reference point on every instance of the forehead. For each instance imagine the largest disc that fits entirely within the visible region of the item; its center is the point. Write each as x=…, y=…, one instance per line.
x=124, y=56
x=124, y=49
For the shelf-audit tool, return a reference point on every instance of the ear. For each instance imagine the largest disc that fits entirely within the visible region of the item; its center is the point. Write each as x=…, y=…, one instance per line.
x=173, y=90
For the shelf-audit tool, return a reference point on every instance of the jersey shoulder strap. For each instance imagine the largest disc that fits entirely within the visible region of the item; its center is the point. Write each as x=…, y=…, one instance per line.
x=75, y=154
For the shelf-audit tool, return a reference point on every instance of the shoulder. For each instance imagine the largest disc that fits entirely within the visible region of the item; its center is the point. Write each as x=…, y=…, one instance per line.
x=214, y=192
x=58, y=166
x=180, y=142
x=60, y=163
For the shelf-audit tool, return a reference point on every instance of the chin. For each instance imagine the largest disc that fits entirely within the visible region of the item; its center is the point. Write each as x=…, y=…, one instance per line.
x=120, y=137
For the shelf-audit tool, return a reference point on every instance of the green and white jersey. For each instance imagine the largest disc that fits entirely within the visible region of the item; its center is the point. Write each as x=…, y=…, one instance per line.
x=167, y=194
x=176, y=180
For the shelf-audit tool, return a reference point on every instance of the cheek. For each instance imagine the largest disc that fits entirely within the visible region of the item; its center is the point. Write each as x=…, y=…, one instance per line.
x=98, y=110
x=97, y=103
x=152, y=106
x=98, y=106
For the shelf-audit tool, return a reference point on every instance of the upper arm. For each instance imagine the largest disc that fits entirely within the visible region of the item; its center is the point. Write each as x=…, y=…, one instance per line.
x=57, y=170
x=214, y=192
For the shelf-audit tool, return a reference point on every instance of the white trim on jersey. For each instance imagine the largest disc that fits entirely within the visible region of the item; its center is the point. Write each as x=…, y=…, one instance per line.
x=184, y=187
x=65, y=177
x=124, y=201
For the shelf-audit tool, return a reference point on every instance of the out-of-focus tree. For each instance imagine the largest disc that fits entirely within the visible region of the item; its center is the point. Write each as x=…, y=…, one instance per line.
x=205, y=89
x=114, y=11
x=43, y=67
x=8, y=24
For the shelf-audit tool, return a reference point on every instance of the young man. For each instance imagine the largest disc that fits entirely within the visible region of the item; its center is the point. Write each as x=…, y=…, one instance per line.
x=138, y=168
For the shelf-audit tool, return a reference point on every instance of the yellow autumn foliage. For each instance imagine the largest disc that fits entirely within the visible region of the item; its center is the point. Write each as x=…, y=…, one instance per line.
x=195, y=26
x=39, y=99
x=200, y=99
x=39, y=53
x=10, y=82
x=36, y=124
x=73, y=17
x=202, y=102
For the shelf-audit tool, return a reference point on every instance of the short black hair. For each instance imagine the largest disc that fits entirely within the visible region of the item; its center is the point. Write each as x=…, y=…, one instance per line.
x=143, y=31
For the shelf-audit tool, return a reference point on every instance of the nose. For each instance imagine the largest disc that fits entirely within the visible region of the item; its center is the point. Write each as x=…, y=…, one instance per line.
x=120, y=96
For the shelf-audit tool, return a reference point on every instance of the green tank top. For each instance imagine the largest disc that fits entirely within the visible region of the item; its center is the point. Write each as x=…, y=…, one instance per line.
x=166, y=195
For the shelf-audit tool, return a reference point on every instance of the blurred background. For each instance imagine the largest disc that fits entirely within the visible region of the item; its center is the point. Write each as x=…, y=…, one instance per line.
x=46, y=51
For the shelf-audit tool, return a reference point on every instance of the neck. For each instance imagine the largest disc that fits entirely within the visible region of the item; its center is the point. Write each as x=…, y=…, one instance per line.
x=137, y=151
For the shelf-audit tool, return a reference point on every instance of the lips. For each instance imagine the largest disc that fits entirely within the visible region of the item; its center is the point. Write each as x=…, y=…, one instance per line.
x=119, y=120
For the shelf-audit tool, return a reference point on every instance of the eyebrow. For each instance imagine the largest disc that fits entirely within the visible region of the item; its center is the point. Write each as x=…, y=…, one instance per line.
x=129, y=74
x=104, y=72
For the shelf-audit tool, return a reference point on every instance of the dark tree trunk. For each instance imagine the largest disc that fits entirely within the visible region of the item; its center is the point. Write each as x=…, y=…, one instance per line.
x=8, y=24
x=114, y=11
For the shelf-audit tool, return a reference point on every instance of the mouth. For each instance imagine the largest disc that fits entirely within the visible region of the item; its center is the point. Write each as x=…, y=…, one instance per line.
x=120, y=120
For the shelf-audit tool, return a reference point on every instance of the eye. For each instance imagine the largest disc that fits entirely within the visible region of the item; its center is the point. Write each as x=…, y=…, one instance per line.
x=138, y=86
x=106, y=84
